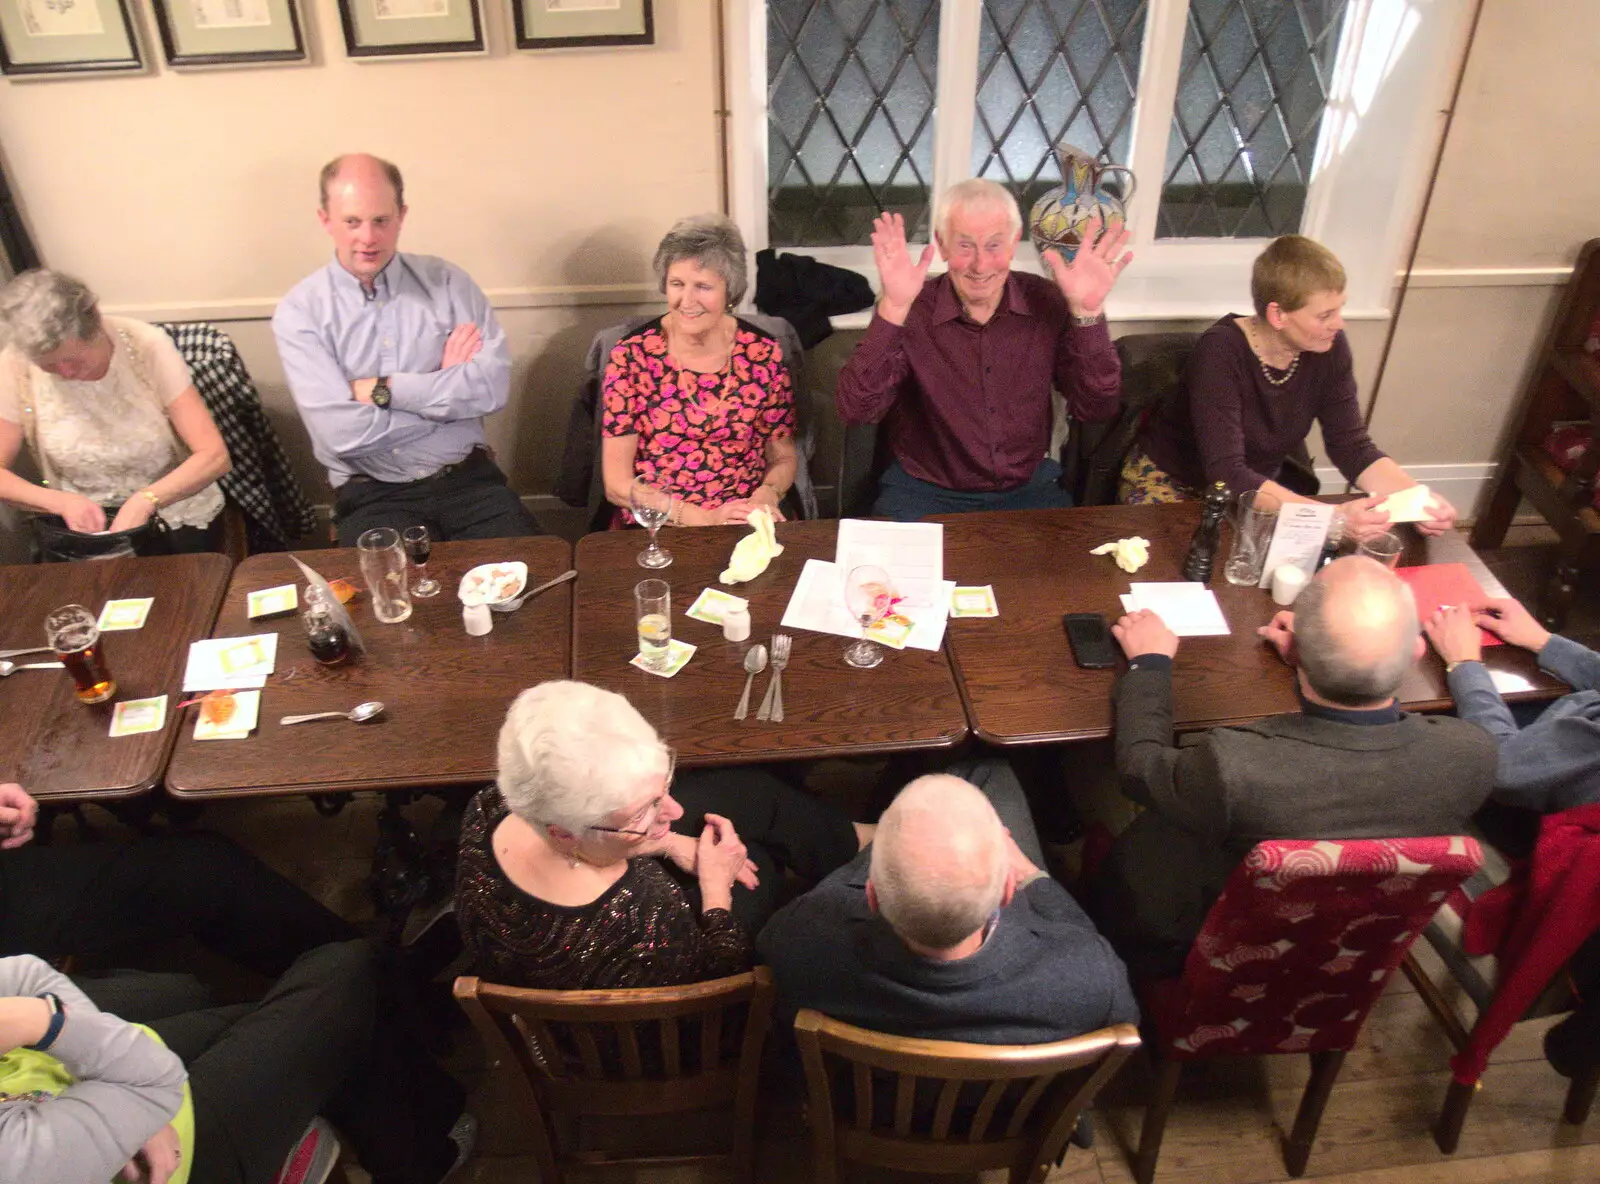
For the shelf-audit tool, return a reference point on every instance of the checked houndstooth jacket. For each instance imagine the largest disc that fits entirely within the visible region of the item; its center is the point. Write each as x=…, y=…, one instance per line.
x=261, y=483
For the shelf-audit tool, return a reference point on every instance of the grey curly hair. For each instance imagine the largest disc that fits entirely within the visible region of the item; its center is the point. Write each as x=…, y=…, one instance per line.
x=40, y=309
x=714, y=242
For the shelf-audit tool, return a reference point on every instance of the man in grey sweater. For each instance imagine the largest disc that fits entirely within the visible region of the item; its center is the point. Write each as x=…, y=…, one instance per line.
x=1350, y=764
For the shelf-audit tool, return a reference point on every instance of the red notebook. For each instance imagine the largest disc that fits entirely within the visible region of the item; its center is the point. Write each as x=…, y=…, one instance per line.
x=1434, y=585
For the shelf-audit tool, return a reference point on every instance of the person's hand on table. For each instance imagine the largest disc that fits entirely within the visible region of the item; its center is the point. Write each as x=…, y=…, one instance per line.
x=135, y=512
x=685, y=852
x=1362, y=518
x=1441, y=515
x=1454, y=634
x=1279, y=634
x=1143, y=632
x=1508, y=620
x=79, y=513
x=719, y=858
x=157, y=1161
x=19, y=814
x=766, y=498
x=737, y=511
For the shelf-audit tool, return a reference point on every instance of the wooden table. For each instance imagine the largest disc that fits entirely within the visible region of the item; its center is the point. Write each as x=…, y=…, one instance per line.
x=909, y=702
x=57, y=748
x=446, y=692
x=1016, y=671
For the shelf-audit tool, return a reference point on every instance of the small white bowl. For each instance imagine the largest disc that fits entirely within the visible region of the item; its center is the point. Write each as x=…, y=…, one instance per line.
x=504, y=581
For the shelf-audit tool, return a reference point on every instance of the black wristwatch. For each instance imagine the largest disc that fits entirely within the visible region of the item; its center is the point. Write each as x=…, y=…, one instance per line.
x=380, y=393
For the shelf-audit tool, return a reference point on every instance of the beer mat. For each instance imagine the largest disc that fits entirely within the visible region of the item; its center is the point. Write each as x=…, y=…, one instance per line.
x=893, y=630
x=712, y=603
x=132, y=716
x=1434, y=585
x=974, y=602
x=224, y=663
x=125, y=614
x=219, y=723
x=678, y=655
x=269, y=602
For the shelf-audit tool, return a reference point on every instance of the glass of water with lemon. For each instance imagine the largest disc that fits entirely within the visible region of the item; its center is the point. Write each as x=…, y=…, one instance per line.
x=652, y=601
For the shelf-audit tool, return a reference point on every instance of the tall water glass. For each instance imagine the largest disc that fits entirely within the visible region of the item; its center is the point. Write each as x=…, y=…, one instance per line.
x=1255, y=517
x=383, y=564
x=652, y=602
x=74, y=633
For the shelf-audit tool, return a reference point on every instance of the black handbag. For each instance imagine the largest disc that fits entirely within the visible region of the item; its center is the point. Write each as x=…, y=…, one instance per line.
x=56, y=542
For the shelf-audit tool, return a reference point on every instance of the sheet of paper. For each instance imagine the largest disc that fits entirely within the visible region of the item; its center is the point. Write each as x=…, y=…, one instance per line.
x=238, y=726
x=1297, y=538
x=911, y=552
x=132, y=716
x=1434, y=585
x=125, y=614
x=1408, y=505
x=818, y=605
x=1189, y=609
x=231, y=663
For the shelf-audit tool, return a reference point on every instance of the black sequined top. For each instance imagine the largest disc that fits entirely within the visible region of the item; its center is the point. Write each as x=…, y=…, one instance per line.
x=641, y=932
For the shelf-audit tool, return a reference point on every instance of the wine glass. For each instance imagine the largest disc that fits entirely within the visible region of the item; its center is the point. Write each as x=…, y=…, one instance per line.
x=419, y=545
x=651, y=508
x=868, y=596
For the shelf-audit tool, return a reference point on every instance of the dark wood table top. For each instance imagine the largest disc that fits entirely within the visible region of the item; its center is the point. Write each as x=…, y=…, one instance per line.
x=1016, y=671
x=446, y=692
x=908, y=702
x=59, y=749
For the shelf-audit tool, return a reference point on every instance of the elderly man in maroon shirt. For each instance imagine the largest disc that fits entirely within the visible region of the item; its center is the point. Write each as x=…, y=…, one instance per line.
x=960, y=367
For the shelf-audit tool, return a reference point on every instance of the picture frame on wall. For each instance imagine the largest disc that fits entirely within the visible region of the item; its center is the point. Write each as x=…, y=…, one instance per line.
x=44, y=37
x=562, y=24
x=229, y=32
x=405, y=28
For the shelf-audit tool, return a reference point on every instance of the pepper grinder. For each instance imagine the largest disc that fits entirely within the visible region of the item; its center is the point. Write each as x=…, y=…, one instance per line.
x=1207, y=539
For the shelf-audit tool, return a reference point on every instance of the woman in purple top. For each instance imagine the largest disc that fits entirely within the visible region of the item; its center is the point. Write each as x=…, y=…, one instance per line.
x=1252, y=388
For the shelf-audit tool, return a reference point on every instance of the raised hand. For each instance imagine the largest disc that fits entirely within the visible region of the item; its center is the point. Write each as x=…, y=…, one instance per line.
x=1089, y=278
x=899, y=278
x=462, y=345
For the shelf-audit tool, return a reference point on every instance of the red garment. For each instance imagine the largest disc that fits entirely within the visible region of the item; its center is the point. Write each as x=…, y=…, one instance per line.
x=967, y=406
x=1548, y=909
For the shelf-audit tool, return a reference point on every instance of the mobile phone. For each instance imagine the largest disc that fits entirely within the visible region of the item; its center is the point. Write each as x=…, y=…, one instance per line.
x=1092, y=645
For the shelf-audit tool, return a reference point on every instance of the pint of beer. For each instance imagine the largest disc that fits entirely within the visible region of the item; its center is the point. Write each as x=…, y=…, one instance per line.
x=74, y=634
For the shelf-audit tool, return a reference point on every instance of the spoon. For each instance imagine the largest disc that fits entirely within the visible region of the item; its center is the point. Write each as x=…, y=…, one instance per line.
x=7, y=669
x=511, y=606
x=755, y=661
x=359, y=714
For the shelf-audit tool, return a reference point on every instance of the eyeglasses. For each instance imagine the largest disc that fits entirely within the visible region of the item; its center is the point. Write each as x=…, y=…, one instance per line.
x=651, y=810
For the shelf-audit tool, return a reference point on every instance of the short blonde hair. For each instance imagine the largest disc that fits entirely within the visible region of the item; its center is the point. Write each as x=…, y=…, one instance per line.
x=571, y=753
x=976, y=193
x=1291, y=271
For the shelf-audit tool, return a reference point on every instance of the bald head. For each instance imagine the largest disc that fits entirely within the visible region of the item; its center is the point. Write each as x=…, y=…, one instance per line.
x=938, y=862
x=362, y=170
x=363, y=208
x=1356, y=633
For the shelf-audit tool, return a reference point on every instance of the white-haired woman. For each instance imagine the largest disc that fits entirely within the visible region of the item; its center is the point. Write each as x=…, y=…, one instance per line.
x=573, y=866
x=698, y=404
x=110, y=414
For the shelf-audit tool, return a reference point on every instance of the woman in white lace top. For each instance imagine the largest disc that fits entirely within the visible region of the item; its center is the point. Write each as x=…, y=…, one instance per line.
x=108, y=409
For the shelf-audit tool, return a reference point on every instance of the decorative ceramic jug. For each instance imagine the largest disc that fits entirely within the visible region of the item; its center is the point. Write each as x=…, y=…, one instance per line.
x=1057, y=219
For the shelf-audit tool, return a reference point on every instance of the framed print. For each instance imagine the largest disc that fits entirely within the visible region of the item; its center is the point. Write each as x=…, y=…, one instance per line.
x=556, y=24
x=392, y=28
x=229, y=32
x=67, y=37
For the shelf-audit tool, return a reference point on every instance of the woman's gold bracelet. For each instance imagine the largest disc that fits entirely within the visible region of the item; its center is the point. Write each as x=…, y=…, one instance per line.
x=151, y=494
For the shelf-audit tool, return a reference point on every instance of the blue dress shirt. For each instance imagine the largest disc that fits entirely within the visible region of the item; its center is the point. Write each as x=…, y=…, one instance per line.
x=331, y=331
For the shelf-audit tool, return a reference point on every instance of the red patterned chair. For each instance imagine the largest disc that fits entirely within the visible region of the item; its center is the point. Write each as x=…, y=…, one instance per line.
x=1291, y=959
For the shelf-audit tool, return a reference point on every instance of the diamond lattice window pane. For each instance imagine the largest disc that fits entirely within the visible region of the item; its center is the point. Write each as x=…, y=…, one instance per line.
x=1251, y=92
x=1051, y=71
x=850, y=86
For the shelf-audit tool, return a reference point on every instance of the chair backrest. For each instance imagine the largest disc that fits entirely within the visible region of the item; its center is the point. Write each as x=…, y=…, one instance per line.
x=1303, y=939
x=937, y=1105
x=643, y=1050
x=1152, y=378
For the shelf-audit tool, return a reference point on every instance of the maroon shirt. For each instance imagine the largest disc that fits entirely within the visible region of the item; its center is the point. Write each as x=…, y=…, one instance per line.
x=1231, y=425
x=967, y=406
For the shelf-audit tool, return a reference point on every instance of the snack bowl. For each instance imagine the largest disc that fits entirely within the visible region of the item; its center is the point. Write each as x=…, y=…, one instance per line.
x=498, y=585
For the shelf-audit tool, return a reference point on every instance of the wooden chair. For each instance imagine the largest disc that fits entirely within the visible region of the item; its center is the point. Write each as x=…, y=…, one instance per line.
x=644, y=1051
x=956, y=1107
x=1291, y=958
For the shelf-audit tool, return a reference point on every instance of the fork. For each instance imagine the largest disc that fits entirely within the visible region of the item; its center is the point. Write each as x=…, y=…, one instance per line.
x=782, y=643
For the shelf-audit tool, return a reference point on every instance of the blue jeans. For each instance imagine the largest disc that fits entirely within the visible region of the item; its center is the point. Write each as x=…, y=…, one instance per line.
x=906, y=499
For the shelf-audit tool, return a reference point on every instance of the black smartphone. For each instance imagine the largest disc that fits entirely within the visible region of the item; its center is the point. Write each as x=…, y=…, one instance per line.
x=1093, y=647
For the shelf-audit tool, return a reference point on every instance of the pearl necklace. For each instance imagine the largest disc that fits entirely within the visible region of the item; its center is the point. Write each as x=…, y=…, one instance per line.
x=1266, y=372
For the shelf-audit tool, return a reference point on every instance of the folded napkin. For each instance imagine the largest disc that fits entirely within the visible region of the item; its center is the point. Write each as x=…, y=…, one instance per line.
x=1130, y=554
x=753, y=552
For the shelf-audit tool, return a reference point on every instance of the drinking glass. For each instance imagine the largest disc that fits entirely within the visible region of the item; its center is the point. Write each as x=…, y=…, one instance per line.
x=868, y=596
x=383, y=563
x=419, y=545
x=652, y=602
x=1255, y=516
x=74, y=633
x=326, y=638
x=1385, y=548
x=650, y=507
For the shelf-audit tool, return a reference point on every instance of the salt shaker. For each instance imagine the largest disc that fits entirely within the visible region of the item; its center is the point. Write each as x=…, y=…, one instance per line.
x=736, y=624
x=477, y=619
x=1288, y=581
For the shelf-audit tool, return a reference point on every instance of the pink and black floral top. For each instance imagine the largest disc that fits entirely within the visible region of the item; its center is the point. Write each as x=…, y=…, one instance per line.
x=702, y=436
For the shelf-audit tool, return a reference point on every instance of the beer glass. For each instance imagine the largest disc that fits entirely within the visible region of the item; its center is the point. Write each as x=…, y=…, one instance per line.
x=1255, y=518
x=383, y=564
x=74, y=633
